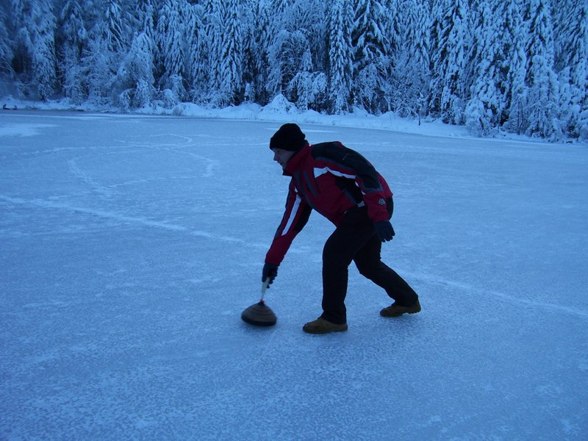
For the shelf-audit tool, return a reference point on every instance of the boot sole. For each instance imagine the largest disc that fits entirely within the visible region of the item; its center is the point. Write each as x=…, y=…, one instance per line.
x=400, y=313
x=323, y=331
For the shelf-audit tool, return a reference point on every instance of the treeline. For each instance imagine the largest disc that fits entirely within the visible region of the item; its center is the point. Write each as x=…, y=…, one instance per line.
x=514, y=65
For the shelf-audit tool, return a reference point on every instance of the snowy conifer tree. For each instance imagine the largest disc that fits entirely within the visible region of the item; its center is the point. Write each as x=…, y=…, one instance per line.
x=289, y=63
x=450, y=39
x=306, y=22
x=96, y=70
x=410, y=79
x=340, y=55
x=107, y=46
x=486, y=104
x=572, y=64
x=226, y=54
x=543, y=95
x=371, y=60
x=196, y=52
x=135, y=83
x=135, y=76
x=256, y=64
x=515, y=36
x=36, y=68
x=289, y=53
x=114, y=31
x=295, y=58
x=6, y=53
x=248, y=13
x=392, y=23
x=72, y=39
x=170, y=43
x=145, y=16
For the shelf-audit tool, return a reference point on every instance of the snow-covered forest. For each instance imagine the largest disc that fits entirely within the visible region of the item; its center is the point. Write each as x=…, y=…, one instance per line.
x=518, y=66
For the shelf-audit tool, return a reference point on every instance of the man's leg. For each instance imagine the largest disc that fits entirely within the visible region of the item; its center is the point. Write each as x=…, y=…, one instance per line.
x=370, y=265
x=338, y=253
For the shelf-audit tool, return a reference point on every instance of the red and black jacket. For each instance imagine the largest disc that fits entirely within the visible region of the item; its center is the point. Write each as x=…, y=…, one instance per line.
x=329, y=178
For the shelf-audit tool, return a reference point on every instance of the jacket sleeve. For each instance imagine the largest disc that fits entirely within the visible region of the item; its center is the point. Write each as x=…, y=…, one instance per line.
x=349, y=164
x=296, y=215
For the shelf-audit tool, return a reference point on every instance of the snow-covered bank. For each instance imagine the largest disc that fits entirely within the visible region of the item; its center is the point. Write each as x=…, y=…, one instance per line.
x=280, y=110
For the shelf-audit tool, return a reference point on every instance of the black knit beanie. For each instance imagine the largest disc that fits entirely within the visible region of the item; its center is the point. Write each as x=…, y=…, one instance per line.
x=288, y=137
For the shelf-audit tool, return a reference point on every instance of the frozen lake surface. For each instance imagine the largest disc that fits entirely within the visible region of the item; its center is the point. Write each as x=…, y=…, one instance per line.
x=131, y=244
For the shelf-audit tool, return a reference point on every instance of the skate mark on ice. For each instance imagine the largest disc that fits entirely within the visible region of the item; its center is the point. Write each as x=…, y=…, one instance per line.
x=210, y=164
x=179, y=148
x=552, y=307
x=87, y=179
x=126, y=219
x=169, y=137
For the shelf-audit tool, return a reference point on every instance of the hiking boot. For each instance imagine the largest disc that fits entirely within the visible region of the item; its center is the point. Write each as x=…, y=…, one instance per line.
x=322, y=326
x=396, y=310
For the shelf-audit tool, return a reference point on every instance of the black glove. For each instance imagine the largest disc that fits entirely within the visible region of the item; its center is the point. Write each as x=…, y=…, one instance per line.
x=384, y=230
x=270, y=271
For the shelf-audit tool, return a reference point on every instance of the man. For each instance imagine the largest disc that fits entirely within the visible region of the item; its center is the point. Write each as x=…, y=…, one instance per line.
x=344, y=187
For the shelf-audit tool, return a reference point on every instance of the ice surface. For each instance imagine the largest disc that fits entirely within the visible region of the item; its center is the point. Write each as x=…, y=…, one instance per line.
x=129, y=247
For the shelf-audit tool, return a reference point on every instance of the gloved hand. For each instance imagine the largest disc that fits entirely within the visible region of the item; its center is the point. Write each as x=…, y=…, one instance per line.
x=384, y=230
x=270, y=272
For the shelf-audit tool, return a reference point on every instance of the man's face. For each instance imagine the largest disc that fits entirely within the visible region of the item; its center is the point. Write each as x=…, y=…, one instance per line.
x=282, y=156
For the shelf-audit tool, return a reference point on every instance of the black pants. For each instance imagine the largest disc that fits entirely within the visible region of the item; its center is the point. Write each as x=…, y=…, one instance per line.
x=356, y=240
